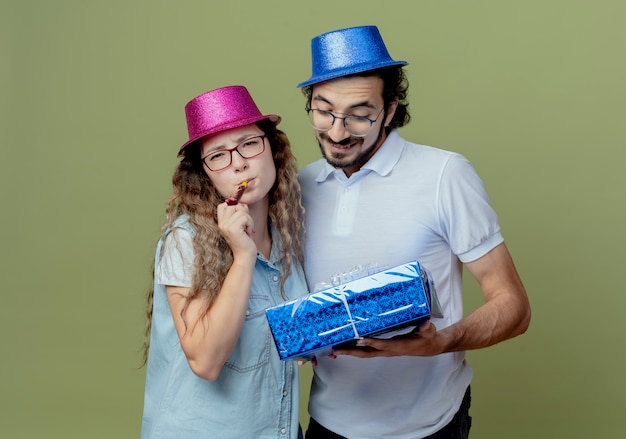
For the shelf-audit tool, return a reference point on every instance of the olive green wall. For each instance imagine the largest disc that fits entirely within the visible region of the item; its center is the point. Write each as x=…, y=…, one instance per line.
x=91, y=111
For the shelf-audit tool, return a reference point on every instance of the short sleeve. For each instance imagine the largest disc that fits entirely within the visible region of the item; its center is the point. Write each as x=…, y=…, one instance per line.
x=175, y=266
x=469, y=221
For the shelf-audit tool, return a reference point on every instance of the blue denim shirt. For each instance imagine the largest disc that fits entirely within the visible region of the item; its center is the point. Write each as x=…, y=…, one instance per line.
x=256, y=394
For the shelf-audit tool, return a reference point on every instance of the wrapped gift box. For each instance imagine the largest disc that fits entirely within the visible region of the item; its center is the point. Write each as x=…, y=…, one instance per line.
x=369, y=306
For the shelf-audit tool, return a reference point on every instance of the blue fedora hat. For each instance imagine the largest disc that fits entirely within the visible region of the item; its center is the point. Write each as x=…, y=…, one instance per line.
x=346, y=51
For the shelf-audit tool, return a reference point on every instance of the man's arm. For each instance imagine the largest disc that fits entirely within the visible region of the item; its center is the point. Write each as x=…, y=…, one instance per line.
x=505, y=314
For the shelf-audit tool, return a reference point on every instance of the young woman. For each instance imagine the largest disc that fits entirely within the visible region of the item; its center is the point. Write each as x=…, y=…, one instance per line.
x=230, y=248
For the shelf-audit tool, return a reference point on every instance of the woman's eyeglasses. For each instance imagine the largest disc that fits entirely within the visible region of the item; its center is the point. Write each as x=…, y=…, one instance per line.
x=222, y=159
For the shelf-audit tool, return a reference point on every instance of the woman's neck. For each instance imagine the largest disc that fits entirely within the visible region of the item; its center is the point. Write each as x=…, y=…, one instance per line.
x=262, y=236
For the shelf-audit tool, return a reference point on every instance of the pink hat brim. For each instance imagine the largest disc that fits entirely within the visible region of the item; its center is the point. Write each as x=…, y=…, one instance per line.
x=274, y=118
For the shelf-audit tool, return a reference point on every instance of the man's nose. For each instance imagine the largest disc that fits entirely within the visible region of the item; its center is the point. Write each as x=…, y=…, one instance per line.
x=338, y=131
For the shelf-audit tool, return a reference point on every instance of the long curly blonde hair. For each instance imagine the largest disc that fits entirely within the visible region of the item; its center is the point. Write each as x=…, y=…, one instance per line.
x=195, y=196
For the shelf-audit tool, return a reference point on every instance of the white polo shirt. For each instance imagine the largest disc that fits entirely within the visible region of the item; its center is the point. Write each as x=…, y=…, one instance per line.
x=408, y=202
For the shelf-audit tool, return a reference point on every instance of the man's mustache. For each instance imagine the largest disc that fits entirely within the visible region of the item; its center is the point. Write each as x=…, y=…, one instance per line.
x=343, y=142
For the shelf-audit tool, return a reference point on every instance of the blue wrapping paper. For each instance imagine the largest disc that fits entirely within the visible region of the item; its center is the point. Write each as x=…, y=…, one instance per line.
x=386, y=301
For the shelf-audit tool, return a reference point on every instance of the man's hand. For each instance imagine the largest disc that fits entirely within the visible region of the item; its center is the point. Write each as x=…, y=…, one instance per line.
x=504, y=315
x=423, y=342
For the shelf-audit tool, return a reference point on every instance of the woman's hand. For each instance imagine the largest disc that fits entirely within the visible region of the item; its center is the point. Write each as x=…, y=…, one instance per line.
x=237, y=227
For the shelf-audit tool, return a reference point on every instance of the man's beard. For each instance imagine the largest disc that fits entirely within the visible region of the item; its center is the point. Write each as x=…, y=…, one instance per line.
x=337, y=159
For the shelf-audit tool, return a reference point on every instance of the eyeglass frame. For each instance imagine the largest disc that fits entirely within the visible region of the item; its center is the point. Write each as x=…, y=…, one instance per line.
x=231, y=150
x=363, y=118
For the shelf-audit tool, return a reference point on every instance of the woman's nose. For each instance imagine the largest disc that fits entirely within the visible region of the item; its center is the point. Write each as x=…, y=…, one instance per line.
x=238, y=161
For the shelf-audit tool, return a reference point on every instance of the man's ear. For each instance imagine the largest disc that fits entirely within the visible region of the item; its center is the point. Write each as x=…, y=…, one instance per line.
x=391, y=110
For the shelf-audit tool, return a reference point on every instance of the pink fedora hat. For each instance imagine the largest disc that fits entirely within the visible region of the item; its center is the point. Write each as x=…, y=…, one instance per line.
x=220, y=110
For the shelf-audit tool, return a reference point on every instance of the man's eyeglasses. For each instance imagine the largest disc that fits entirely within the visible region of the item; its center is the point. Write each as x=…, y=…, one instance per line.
x=222, y=159
x=323, y=120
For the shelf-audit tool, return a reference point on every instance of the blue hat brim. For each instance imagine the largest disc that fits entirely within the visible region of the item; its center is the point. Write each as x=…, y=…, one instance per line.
x=337, y=73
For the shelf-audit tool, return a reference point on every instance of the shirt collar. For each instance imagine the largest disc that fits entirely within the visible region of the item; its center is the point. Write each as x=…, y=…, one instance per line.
x=276, y=249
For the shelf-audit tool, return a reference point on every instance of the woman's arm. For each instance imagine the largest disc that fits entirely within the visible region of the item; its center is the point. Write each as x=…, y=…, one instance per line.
x=208, y=339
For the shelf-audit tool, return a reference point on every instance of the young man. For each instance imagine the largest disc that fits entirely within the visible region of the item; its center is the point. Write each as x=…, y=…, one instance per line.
x=376, y=198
